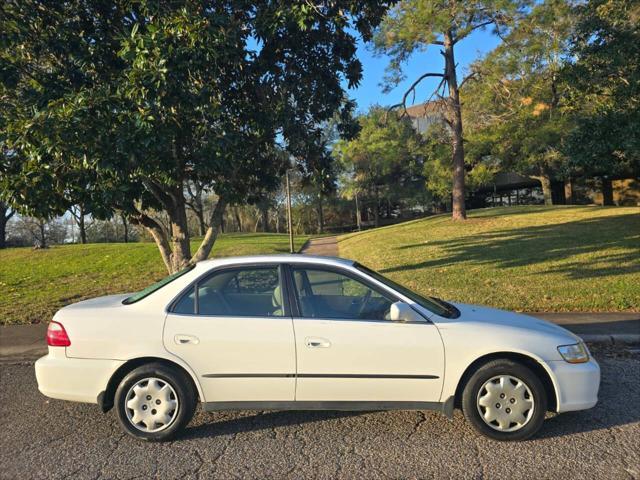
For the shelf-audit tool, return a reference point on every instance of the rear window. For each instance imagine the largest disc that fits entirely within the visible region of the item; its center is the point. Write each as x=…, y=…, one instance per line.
x=156, y=286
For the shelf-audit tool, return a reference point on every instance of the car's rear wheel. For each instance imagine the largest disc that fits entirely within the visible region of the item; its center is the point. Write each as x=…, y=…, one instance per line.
x=505, y=400
x=154, y=402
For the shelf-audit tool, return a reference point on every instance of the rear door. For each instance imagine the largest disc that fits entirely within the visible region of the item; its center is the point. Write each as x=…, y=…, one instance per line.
x=349, y=350
x=234, y=330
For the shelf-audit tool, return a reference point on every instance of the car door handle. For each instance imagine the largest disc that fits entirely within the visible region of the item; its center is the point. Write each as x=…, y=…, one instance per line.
x=313, y=342
x=186, y=340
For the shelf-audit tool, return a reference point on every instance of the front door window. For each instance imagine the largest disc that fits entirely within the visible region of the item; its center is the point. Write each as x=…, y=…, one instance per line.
x=330, y=294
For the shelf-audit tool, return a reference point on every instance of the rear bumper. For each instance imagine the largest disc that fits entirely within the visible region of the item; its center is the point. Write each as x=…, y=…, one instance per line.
x=577, y=384
x=74, y=379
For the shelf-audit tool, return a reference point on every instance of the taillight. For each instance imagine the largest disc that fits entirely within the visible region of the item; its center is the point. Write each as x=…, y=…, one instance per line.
x=57, y=335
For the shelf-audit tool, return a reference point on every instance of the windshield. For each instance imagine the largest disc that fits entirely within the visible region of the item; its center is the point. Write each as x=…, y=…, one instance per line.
x=432, y=304
x=156, y=286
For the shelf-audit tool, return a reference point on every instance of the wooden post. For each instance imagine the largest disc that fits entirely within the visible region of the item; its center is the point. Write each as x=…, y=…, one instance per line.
x=289, y=220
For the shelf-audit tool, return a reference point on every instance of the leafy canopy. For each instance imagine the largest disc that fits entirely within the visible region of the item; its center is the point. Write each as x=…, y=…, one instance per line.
x=604, y=88
x=127, y=101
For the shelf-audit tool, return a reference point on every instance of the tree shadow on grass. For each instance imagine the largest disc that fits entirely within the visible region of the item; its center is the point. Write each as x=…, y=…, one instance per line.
x=519, y=247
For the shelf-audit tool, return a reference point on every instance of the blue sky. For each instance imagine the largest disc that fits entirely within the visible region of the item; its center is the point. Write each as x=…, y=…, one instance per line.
x=370, y=92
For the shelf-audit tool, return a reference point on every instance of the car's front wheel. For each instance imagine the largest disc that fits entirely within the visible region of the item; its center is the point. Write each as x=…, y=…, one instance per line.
x=505, y=400
x=154, y=402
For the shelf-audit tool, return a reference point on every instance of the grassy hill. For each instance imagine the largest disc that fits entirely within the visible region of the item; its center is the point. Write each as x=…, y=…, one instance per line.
x=519, y=258
x=36, y=283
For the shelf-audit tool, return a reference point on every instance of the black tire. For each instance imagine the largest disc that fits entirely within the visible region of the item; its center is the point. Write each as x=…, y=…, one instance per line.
x=185, y=395
x=504, y=367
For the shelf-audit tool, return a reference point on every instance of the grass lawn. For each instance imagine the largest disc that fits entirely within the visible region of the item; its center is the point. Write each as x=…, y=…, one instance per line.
x=562, y=259
x=36, y=283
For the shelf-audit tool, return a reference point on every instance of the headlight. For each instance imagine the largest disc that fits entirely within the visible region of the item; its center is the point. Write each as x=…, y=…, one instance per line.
x=576, y=353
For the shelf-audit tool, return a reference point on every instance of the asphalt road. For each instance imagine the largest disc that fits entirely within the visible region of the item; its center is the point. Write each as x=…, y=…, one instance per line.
x=41, y=438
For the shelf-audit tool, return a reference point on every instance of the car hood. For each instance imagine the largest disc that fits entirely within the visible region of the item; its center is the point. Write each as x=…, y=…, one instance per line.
x=494, y=316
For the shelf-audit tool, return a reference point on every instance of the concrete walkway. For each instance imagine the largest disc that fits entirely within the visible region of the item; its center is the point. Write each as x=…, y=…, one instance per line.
x=325, y=246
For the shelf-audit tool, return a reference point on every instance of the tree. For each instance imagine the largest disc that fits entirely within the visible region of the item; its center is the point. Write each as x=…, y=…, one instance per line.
x=148, y=97
x=40, y=232
x=78, y=213
x=517, y=96
x=195, y=202
x=385, y=157
x=413, y=25
x=604, y=89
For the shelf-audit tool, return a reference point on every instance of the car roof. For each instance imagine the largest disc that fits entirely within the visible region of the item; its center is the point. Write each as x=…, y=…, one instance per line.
x=277, y=258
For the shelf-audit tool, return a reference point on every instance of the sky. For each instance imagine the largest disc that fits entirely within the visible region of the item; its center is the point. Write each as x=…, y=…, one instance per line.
x=369, y=92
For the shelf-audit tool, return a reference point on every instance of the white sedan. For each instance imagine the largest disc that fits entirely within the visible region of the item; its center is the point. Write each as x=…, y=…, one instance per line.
x=302, y=332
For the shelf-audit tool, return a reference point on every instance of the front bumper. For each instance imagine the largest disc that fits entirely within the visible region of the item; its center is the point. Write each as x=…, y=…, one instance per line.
x=74, y=379
x=576, y=384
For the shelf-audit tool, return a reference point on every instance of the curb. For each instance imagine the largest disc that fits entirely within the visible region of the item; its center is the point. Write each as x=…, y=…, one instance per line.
x=615, y=339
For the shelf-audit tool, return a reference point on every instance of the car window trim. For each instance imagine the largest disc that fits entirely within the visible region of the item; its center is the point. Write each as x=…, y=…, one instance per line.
x=236, y=266
x=347, y=273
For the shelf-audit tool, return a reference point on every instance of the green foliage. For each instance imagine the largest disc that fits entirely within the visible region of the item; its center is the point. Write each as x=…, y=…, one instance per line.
x=387, y=153
x=119, y=106
x=514, y=105
x=413, y=25
x=438, y=172
x=604, y=85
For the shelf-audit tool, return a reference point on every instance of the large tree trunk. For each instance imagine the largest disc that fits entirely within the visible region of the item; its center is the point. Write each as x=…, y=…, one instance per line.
x=180, y=241
x=607, y=191
x=459, y=211
x=545, y=183
x=174, y=242
x=320, y=214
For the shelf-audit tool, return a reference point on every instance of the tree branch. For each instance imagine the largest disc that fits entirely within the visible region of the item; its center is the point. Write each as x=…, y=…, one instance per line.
x=158, y=233
x=159, y=194
x=468, y=77
x=474, y=28
x=212, y=232
x=412, y=89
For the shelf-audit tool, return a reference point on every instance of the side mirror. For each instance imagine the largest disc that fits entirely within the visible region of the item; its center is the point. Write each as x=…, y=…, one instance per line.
x=402, y=312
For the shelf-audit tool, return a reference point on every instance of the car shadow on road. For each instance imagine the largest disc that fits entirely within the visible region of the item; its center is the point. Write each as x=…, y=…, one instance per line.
x=267, y=420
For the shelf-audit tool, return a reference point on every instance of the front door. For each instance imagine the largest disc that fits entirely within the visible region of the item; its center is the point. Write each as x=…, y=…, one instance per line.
x=234, y=331
x=349, y=350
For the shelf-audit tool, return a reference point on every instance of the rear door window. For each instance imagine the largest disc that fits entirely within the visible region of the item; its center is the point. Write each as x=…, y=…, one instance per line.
x=240, y=292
